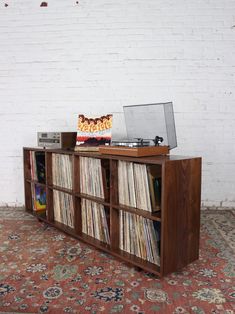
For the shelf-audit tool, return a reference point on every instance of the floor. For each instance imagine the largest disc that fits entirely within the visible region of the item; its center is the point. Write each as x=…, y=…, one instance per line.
x=42, y=270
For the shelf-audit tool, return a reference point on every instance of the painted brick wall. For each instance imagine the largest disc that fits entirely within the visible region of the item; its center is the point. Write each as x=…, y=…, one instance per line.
x=96, y=56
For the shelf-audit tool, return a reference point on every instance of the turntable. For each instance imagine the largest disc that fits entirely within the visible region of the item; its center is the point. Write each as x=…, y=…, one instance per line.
x=142, y=123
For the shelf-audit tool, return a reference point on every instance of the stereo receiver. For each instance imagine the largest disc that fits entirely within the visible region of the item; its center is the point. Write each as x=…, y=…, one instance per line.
x=60, y=140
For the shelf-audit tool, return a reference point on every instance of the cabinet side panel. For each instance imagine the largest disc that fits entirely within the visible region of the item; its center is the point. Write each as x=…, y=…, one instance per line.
x=27, y=166
x=27, y=185
x=181, y=213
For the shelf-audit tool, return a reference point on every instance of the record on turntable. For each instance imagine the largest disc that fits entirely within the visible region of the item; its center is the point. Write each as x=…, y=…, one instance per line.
x=134, y=148
x=131, y=143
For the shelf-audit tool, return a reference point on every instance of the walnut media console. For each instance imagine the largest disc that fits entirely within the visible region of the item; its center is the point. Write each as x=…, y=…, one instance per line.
x=177, y=214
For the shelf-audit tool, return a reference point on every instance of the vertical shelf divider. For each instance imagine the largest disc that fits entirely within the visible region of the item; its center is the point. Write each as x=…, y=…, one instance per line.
x=76, y=174
x=49, y=191
x=28, y=196
x=48, y=157
x=77, y=215
x=76, y=200
x=114, y=213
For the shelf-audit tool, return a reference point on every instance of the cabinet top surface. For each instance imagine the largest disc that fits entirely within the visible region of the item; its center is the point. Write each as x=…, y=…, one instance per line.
x=148, y=159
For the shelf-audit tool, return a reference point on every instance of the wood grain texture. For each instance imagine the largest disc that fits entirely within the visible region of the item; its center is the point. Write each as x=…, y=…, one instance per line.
x=26, y=161
x=48, y=161
x=144, y=213
x=50, y=204
x=76, y=174
x=49, y=191
x=114, y=213
x=28, y=196
x=113, y=182
x=134, y=151
x=180, y=213
x=105, y=169
x=77, y=215
x=114, y=228
x=27, y=180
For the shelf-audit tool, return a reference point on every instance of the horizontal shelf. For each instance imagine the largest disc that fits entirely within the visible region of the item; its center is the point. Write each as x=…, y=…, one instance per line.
x=139, y=262
x=69, y=191
x=49, y=150
x=60, y=188
x=95, y=242
x=38, y=214
x=58, y=225
x=83, y=237
x=34, y=149
x=63, y=227
x=161, y=159
x=35, y=182
x=93, y=198
x=153, y=216
x=124, y=256
x=71, y=231
x=59, y=151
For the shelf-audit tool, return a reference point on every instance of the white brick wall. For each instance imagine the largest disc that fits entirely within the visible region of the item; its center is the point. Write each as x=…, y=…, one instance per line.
x=97, y=56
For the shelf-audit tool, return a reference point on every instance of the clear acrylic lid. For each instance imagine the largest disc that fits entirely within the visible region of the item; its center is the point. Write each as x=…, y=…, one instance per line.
x=151, y=120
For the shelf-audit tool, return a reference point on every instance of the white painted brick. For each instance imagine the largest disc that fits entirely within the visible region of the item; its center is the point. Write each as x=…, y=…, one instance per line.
x=97, y=56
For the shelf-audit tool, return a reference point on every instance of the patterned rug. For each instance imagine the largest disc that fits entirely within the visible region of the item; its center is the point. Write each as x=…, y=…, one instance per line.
x=45, y=271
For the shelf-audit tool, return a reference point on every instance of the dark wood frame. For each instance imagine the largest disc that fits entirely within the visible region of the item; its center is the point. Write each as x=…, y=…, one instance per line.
x=179, y=214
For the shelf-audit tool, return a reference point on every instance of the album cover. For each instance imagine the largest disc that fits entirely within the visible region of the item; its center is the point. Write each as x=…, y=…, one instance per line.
x=93, y=131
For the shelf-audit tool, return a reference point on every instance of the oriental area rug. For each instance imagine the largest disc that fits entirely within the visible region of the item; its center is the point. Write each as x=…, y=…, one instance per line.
x=42, y=270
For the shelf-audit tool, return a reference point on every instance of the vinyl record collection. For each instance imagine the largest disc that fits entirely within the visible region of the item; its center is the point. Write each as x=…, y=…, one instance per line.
x=139, y=186
x=139, y=236
x=37, y=166
x=63, y=208
x=91, y=177
x=62, y=170
x=94, y=220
